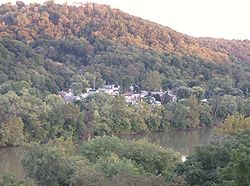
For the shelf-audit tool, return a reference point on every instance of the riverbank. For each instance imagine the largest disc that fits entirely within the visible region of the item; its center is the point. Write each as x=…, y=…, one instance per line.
x=167, y=130
x=181, y=141
x=130, y=133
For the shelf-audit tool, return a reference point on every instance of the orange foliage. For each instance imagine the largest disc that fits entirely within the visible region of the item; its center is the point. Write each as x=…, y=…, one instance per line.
x=61, y=21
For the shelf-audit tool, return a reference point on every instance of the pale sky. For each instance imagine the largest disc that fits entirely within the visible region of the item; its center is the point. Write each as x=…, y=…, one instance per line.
x=228, y=19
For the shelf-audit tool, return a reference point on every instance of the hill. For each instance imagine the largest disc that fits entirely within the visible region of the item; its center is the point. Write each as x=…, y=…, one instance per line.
x=51, y=20
x=113, y=46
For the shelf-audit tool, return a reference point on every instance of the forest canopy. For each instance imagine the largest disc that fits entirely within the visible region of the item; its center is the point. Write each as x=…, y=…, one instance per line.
x=47, y=48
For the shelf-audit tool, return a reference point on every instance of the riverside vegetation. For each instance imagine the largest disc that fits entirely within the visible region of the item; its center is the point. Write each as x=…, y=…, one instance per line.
x=48, y=48
x=112, y=161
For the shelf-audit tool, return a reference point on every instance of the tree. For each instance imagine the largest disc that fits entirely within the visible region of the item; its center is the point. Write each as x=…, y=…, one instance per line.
x=166, y=98
x=198, y=92
x=120, y=115
x=220, y=85
x=51, y=164
x=193, y=112
x=228, y=106
x=91, y=118
x=11, y=133
x=7, y=179
x=237, y=171
x=128, y=179
x=140, y=114
x=202, y=167
x=168, y=83
x=152, y=81
x=139, y=155
x=246, y=107
x=93, y=80
x=114, y=165
x=53, y=168
x=79, y=84
x=177, y=114
x=206, y=117
x=183, y=92
x=234, y=124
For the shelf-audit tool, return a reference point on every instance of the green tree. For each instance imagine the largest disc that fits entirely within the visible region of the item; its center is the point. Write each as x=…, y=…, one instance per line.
x=198, y=92
x=79, y=84
x=228, y=106
x=114, y=165
x=120, y=115
x=140, y=114
x=237, y=171
x=94, y=81
x=50, y=164
x=234, y=124
x=183, y=92
x=10, y=180
x=151, y=158
x=193, y=112
x=152, y=81
x=11, y=133
x=177, y=114
x=206, y=117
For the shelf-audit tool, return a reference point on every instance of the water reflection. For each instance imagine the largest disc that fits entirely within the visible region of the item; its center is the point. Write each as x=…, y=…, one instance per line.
x=182, y=141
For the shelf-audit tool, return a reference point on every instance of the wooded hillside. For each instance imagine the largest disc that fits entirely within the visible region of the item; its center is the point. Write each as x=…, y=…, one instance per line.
x=30, y=22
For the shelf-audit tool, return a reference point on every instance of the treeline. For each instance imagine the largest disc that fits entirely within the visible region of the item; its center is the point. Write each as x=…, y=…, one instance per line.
x=30, y=116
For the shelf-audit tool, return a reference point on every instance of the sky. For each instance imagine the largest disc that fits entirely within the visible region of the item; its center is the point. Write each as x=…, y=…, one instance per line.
x=227, y=19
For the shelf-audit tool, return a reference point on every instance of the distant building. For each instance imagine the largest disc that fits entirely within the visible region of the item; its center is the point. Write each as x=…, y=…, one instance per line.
x=157, y=103
x=110, y=89
x=172, y=95
x=131, y=98
x=113, y=90
x=204, y=101
x=69, y=96
x=131, y=88
x=160, y=93
x=143, y=94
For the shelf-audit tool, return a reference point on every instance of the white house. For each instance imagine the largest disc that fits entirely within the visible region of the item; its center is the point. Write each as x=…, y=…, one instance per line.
x=173, y=96
x=160, y=93
x=110, y=89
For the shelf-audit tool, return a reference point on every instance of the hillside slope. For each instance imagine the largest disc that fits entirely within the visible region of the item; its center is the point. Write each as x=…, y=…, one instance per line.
x=51, y=20
x=54, y=47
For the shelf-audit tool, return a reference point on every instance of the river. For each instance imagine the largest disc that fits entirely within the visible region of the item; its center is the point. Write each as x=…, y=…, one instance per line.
x=182, y=141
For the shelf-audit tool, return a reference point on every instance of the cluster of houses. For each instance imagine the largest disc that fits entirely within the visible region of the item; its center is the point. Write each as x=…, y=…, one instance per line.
x=131, y=97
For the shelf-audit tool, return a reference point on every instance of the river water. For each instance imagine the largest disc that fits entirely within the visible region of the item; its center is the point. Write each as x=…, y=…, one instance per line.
x=182, y=141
